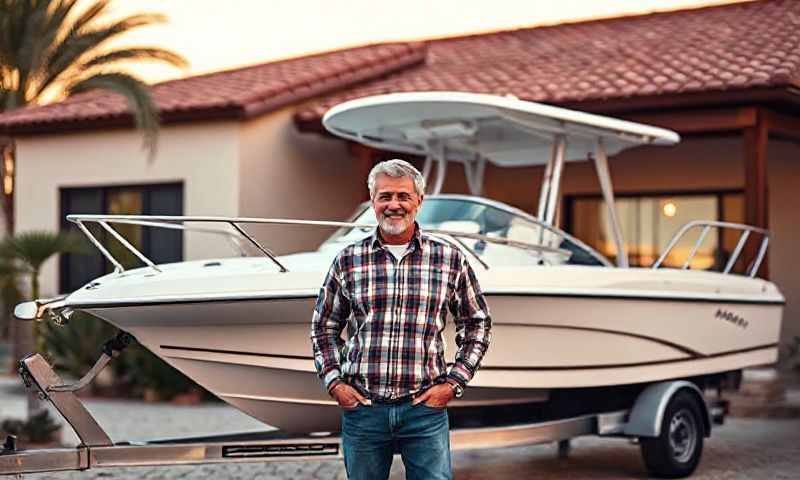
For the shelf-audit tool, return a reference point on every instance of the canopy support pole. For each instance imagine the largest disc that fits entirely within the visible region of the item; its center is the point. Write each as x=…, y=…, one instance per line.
x=474, y=172
x=436, y=149
x=560, y=150
x=544, y=193
x=603, y=175
x=426, y=168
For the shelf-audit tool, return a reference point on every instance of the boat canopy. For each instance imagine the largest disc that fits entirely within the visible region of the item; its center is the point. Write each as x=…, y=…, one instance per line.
x=476, y=129
x=506, y=131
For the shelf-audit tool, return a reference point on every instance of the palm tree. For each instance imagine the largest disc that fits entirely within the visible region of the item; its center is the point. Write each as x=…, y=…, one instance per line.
x=50, y=49
x=25, y=254
x=9, y=292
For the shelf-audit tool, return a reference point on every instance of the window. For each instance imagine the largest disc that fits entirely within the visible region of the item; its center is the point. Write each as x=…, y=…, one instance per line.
x=649, y=221
x=158, y=244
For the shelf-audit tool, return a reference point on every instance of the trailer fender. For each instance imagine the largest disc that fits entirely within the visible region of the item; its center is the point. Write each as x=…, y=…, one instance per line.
x=648, y=410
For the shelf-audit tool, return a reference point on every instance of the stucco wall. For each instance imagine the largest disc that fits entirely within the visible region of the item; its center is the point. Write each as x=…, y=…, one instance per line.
x=202, y=156
x=783, y=167
x=286, y=174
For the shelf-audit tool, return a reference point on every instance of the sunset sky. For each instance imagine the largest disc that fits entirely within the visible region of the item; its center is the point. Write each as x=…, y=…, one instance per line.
x=215, y=35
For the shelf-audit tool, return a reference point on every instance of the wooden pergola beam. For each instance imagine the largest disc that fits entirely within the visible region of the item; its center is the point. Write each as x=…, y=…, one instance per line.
x=365, y=158
x=700, y=121
x=756, y=200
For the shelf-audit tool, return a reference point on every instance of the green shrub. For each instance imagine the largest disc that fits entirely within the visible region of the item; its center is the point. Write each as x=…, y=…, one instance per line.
x=143, y=370
x=73, y=348
x=39, y=428
x=792, y=357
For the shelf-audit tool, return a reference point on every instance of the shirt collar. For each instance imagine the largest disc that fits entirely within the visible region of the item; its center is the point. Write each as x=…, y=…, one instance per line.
x=377, y=241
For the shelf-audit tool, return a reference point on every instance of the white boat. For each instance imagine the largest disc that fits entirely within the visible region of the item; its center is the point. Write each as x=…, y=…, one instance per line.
x=567, y=323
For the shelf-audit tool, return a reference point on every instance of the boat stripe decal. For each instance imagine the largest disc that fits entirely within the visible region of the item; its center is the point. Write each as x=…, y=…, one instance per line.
x=638, y=297
x=516, y=368
x=155, y=303
x=680, y=348
x=236, y=352
x=637, y=364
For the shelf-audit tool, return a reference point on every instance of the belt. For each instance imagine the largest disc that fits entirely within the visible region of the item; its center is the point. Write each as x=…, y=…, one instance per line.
x=391, y=401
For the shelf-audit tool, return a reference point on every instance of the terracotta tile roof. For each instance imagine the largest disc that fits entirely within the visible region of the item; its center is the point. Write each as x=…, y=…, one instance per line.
x=717, y=49
x=239, y=93
x=728, y=49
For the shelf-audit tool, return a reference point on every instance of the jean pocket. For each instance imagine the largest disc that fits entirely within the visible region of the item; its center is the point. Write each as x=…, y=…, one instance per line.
x=357, y=406
x=438, y=409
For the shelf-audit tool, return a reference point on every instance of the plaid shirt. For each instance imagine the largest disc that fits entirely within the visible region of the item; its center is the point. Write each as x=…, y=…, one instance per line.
x=395, y=312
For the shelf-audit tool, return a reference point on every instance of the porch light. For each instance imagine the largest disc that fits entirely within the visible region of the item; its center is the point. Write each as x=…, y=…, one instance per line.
x=669, y=209
x=8, y=171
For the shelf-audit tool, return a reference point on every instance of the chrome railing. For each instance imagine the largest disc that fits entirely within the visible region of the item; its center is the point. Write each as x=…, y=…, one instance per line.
x=706, y=226
x=176, y=222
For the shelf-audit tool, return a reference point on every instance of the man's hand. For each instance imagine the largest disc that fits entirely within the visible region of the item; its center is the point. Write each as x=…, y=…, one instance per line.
x=438, y=396
x=348, y=397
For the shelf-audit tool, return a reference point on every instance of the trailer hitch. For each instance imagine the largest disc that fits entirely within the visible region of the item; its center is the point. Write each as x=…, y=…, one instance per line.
x=37, y=373
x=10, y=445
x=110, y=350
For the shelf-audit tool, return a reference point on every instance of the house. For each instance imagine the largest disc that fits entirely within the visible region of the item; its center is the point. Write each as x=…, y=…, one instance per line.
x=249, y=142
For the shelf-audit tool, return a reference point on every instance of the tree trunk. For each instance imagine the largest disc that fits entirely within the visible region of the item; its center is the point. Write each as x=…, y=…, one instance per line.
x=18, y=333
x=7, y=167
x=35, y=405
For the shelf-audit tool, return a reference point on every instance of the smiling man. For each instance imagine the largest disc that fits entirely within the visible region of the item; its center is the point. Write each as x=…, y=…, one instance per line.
x=392, y=292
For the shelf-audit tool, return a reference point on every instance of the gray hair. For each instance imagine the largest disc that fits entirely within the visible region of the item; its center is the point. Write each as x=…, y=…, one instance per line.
x=396, y=168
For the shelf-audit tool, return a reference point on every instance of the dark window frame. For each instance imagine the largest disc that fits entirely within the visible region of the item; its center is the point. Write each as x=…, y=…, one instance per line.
x=144, y=189
x=570, y=199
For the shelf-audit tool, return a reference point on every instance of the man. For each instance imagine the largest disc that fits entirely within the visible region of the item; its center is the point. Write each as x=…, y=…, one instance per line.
x=392, y=292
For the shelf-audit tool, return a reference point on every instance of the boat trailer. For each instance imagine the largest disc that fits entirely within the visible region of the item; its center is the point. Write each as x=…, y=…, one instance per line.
x=97, y=450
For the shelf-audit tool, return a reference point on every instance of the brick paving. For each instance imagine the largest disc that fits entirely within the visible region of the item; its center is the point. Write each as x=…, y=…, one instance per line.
x=741, y=449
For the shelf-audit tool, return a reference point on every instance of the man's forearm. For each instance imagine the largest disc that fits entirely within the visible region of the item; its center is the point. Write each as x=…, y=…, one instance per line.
x=472, y=348
x=326, y=353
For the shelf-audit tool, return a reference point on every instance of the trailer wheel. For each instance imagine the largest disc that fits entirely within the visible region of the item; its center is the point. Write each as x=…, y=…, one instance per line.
x=675, y=453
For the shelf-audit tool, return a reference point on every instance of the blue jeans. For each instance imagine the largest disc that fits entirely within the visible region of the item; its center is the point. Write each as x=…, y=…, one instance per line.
x=420, y=433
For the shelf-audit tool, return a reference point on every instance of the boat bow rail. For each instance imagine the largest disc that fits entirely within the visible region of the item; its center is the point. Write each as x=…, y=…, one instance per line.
x=178, y=222
x=706, y=226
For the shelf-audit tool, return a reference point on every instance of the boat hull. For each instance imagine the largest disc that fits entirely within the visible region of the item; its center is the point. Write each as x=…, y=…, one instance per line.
x=256, y=354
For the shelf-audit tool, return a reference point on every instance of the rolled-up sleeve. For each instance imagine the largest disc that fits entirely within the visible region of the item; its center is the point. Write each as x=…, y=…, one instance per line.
x=329, y=319
x=473, y=325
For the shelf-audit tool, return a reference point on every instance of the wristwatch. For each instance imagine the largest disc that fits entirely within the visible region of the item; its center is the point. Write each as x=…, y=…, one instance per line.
x=457, y=389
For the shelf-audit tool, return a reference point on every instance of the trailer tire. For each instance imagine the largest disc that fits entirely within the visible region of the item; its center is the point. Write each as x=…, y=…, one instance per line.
x=676, y=452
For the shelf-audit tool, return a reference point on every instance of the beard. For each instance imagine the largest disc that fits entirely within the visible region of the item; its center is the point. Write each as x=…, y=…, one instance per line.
x=394, y=225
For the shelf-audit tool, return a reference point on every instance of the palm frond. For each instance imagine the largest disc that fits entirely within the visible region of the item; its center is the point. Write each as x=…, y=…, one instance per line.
x=33, y=248
x=24, y=49
x=71, y=44
x=68, y=57
x=9, y=269
x=138, y=53
x=145, y=112
x=49, y=47
x=92, y=13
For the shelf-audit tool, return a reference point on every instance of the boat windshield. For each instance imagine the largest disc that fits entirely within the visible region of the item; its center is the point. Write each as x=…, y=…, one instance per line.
x=468, y=215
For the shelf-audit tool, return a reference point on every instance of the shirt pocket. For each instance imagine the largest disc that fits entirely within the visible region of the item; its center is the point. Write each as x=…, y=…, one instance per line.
x=435, y=289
